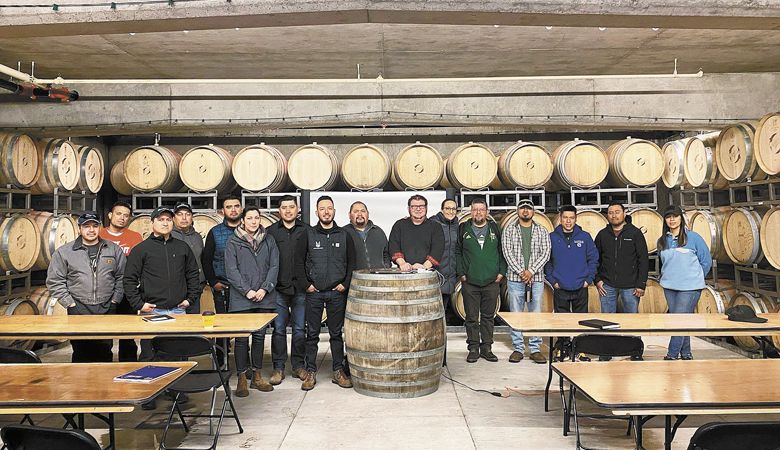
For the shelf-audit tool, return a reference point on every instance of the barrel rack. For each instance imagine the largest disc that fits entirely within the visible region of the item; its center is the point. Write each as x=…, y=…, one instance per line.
x=200, y=202
x=14, y=200
x=266, y=201
x=755, y=193
x=65, y=202
x=757, y=280
x=600, y=198
x=8, y=283
x=698, y=198
x=504, y=200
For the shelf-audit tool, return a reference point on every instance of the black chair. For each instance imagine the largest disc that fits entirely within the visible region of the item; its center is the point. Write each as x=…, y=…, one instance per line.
x=741, y=435
x=598, y=345
x=182, y=347
x=25, y=437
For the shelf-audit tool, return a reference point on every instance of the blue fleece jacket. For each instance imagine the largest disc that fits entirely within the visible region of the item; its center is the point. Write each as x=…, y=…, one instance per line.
x=683, y=268
x=574, y=262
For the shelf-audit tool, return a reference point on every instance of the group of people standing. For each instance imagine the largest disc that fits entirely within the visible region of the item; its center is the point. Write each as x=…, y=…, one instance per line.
x=299, y=271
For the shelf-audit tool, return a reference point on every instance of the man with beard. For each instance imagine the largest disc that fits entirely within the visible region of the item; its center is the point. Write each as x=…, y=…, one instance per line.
x=370, y=241
x=416, y=242
x=480, y=266
x=118, y=233
x=213, y=262
x=183, y=230
x=526, y=247
x=290, y=291
x=330, y=260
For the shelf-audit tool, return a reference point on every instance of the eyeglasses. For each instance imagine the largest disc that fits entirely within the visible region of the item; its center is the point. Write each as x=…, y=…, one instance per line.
x=418, y=206
x=450, y=209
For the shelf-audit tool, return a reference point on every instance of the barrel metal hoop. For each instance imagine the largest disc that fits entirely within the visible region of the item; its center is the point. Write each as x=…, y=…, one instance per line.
x=380, y=371
x=5, y=241
x=418, y=301
x=391, y=289
x=395, y=355
x=412, y=394
x=402, y=319
x=424, y=382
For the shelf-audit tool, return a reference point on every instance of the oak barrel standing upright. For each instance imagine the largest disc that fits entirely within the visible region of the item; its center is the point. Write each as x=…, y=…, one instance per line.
x=20, y=160
x=395, y=333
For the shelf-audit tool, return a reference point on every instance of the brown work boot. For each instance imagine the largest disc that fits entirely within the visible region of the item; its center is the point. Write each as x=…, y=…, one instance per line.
x=516, y=357
x=242, y=390
x=276, y=377
x=299, y=373
x=538, y=358
x=260, y=383
x=309, y=381
x=340, y=378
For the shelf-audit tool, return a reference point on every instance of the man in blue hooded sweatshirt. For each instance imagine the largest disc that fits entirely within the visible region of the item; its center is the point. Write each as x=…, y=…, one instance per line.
x=572, y=265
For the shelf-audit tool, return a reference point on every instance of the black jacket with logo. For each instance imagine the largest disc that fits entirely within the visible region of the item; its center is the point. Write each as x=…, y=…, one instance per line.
x=330, y=257
x=623, y=260
x=161, y=272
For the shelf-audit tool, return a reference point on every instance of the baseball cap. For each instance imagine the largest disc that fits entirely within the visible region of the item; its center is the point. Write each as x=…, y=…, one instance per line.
x=673, y=210
x=525, y=203
x=182, y=206
x=161, y=210
x=743, y=313
x=88, y=217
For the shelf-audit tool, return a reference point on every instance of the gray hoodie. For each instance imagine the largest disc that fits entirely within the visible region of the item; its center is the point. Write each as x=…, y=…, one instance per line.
x=71, y=278
x=247, y=269
x=195, y=242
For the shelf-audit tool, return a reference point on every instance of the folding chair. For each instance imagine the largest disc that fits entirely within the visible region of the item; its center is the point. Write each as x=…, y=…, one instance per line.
x=741, y=435
x=26, y=437
x=195, y=381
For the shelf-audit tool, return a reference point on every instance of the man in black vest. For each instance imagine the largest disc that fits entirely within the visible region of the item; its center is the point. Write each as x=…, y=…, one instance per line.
x=329, y=262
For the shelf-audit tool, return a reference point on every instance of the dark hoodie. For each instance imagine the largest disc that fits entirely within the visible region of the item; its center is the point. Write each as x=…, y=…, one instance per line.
x=370, y=253
x=447, y=264
x=623, y=259
x=572, y=261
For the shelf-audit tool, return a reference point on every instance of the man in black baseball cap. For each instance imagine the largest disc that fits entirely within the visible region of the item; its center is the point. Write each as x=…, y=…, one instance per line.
x=184, y=230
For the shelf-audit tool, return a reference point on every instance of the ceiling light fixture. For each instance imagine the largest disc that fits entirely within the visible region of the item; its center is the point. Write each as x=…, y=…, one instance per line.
x=602, y=28
x=186, y=31
x=495, y=26
x=655, y=28
x=549, y=27
x=132, y=34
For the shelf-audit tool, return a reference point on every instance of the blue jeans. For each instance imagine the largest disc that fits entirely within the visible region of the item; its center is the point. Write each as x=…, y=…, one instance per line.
x=290, y=309
x=517, y=303
x=681, y=302
x=609, y=301
x=147, y=353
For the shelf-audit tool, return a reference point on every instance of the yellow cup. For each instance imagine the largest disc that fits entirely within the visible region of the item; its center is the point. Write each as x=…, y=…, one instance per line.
x=208, y=319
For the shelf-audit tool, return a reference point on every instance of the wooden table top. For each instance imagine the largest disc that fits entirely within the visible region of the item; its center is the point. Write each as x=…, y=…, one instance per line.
x=648, y=324
x=677, y=385
x=128, y=326
x=79, y=385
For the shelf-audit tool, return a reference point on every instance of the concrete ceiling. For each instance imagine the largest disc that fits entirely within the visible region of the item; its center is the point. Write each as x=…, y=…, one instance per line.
x=394, y=51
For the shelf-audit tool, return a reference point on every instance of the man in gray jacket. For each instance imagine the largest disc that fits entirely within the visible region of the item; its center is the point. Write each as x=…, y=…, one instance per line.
x=183, y=230
x=86, y=277
x=370, y=240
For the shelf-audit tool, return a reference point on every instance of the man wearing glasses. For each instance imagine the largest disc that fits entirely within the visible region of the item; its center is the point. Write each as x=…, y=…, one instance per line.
x=416, y=242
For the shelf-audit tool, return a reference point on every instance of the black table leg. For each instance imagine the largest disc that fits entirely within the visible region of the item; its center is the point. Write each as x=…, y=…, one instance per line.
x=81, y=421
x=638, y=429
x=668, y=432
x=111, y=432
x=549, y=377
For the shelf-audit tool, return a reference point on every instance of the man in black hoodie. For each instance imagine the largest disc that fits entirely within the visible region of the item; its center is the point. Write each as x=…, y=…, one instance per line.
x=623, y=262
x=329, y=262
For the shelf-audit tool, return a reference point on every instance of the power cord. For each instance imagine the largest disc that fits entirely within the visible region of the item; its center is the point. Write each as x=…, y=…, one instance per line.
x=493, y=393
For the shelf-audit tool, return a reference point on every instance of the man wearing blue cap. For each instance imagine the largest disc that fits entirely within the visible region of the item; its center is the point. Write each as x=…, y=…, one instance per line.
x=86, y=277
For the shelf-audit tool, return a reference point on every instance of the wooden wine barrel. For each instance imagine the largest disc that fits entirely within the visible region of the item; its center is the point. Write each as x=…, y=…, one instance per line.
x=59, y=160
x=55, y=231
x=761, y=304
x=650, y=223
x=654, y=300
x=578, y=164
x=589, y=220
x=260, y=167
x=313, y=167
x=526, y=165
x=91, y=169
x=46, y=304
x=714, y=300
x=394, y=333
x=701, y=166
x=365, y=167
x=709, y=225
x=142, y=224
x=736, y=153
x=19, y=160
x=118, y=180
x=674, y=164
x=471, y=166
x=153, y=168
x=741, y=238
x=417, y=167
x=20, y=243
x=635, y=162
x=769, y=235
x=203, y=223
x=457, y=302
x=266, y=219
x=512, y=218
x=594, y=300
x=768, y=143
x=444, y=182
x=18, y=307
x=207, y=168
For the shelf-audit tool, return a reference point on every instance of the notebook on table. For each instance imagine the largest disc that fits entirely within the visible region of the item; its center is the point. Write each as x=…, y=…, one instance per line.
x=158, y=318
x=599, y=324
x=146, y=374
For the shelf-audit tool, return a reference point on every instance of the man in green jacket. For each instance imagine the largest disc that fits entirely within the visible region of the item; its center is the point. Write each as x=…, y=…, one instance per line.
x=480, y=266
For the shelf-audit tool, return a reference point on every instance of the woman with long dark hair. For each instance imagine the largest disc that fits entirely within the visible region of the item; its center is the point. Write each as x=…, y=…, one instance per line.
x=685, y=260
x=251, y=266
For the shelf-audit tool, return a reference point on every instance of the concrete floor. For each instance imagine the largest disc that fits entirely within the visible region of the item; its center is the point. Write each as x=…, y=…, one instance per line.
x=454, y=417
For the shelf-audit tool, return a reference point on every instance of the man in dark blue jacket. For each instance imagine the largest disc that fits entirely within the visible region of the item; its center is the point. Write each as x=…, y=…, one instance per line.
x=572, y=265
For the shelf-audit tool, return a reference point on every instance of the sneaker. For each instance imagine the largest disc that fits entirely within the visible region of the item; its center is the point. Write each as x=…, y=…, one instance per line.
x=309, y=381
x=637, y=358
x=341, y=378
x=150, y=405
x=687, y=357
x=299, y=373
x=538, y=358
x=488, y=356
x=276, y=377
x=260, y=383
x=473, y=356
x=669, y=358
x=605, y=358
x=584, y=358
x=242, y=388
x=516, y=357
